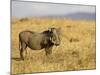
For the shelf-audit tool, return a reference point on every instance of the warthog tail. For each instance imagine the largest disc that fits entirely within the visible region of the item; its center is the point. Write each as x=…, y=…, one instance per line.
x=19, y=43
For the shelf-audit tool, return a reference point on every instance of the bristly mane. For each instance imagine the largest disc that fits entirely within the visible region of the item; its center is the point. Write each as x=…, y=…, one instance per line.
x=47, y=32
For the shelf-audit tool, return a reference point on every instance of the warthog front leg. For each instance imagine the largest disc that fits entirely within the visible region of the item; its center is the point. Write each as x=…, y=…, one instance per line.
x=48, y=51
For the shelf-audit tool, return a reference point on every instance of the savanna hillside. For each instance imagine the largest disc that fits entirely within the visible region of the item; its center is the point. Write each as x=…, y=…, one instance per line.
x=76, y=51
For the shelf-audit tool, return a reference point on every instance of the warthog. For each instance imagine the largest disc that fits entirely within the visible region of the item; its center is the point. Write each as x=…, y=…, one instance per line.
x=37, y=41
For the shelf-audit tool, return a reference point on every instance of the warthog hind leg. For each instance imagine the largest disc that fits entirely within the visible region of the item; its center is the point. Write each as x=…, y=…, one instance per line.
x=23, y=47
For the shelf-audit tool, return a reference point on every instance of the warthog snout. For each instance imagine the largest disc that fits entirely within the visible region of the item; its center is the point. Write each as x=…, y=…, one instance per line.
x=57, y=43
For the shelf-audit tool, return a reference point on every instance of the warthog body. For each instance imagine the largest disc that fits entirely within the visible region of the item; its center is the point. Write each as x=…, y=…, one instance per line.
x=38, y=41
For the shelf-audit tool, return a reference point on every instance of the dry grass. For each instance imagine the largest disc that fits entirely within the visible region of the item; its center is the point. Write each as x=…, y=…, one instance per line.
x=76, y=52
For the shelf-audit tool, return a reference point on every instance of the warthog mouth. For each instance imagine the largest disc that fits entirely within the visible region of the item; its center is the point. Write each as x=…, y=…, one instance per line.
x=57, y=44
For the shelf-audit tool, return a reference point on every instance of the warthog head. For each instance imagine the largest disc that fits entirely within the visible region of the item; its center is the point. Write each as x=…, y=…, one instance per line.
x=55, y=36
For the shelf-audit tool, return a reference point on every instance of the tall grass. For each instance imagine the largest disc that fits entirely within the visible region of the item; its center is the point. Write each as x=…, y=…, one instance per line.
x=76, y=51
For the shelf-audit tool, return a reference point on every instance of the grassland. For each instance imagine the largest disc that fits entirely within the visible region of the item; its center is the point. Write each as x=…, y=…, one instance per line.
x=77, y=50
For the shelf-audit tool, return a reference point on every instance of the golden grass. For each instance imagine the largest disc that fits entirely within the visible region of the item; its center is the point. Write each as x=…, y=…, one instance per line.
x=76, y=51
